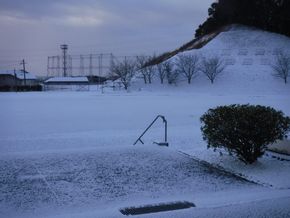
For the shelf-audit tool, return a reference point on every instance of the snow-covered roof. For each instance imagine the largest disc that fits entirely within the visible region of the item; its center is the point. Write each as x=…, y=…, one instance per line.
x=67, y=79
x=19, y=74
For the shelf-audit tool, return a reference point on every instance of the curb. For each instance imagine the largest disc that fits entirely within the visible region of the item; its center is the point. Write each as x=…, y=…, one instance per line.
x=227, y=171
x=277, y=155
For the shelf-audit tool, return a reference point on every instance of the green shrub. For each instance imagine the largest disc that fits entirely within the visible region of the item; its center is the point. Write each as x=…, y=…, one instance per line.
x=244, y=130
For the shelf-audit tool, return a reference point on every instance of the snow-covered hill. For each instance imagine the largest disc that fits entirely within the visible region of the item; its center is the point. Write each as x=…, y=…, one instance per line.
x=248, y=53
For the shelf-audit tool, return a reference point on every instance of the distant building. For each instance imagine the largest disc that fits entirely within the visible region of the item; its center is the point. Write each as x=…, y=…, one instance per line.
x=67, y=83
x=97, y=80
x=17, y=80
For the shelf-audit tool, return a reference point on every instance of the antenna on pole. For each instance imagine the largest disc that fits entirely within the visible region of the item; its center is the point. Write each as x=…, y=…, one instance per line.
x=64, y=50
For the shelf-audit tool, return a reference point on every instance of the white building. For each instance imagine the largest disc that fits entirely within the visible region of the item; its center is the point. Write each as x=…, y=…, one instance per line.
x=67, y=83
x=17, y=80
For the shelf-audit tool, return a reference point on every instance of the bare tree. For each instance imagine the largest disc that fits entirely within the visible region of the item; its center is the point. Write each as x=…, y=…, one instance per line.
x=161, y=72
x=150, y=69
x=141, y=62
x=281, y=66
x=212, y=68
x=170, y=72
x=187, y=65
x=124, y=70
x=147, y=71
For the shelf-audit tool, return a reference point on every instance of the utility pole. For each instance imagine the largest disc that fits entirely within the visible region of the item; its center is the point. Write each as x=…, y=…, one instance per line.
x=82, y=66
x=15, y=81
x=64, y=50
x=24, y=71
x=58, y=65
x=91, y=65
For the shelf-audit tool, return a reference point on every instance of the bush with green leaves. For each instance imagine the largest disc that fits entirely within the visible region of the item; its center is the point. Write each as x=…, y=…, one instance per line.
x=244, y=130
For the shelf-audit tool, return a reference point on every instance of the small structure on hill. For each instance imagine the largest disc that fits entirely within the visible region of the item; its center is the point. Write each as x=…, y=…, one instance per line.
x=79, y=83
x=18, y=80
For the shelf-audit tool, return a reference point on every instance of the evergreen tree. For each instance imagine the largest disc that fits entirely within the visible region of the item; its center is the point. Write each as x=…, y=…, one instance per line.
x=270, y=15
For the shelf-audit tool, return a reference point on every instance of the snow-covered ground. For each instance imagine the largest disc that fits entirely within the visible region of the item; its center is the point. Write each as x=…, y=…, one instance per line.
x=35, y=184
x=71, y=154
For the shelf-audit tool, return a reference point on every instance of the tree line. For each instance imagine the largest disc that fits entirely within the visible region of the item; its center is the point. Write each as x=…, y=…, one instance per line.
x=269, y=15
x=184, y=66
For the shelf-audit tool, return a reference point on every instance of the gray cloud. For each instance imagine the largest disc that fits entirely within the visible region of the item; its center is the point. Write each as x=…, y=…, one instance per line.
x=126, y=10
x=31, y=28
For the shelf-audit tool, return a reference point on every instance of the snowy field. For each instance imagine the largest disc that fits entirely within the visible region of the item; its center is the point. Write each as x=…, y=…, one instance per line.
x=44, y=121
x=71, y=154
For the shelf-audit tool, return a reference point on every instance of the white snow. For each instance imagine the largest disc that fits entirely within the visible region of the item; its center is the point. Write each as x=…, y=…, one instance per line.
x=71, y=154
x=281, y=146
x=68, y=79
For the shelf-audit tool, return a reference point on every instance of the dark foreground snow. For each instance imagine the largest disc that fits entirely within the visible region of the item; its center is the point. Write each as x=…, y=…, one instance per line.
x=272, y=208
x=56, y=183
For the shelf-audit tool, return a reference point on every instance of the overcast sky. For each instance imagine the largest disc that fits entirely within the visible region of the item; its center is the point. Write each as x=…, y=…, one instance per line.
x=34, y=29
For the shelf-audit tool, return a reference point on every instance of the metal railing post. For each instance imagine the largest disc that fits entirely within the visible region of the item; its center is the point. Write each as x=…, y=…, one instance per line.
x=165, y=134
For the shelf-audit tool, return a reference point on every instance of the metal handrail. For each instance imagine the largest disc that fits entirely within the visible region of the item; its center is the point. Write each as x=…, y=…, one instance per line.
x=165, y=126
